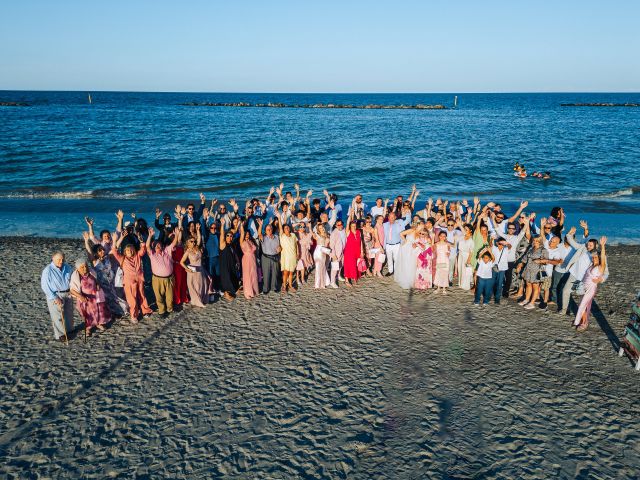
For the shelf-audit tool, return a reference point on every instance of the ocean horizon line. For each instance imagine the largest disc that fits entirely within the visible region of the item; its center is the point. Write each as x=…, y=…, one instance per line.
x=229, y=92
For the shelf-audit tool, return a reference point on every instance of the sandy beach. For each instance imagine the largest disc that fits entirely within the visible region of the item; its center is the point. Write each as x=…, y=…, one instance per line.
x=372, y=382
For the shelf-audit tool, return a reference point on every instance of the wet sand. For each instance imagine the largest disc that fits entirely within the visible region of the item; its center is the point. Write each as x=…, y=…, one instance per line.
x=372, y=382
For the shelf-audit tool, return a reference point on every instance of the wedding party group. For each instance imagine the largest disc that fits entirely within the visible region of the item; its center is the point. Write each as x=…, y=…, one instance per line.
x=196, y=255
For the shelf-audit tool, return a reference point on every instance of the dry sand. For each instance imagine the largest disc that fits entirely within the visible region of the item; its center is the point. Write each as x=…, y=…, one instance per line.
x=366, y=383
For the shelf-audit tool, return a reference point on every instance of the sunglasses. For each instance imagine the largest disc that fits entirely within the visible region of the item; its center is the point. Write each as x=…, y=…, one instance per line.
x=450, y=224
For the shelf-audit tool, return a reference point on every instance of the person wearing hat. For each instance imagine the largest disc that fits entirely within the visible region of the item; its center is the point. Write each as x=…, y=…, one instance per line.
x=500, y=253
x=55, y=284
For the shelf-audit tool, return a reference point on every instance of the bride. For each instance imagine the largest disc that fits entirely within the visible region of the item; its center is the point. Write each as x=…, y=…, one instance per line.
x=406, y=264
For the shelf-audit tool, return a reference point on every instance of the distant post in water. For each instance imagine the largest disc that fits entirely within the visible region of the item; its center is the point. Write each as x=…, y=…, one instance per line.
x=455, y=101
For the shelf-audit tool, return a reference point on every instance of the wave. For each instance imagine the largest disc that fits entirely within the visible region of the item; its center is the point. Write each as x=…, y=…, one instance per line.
x=43, y=193
x=75, y=195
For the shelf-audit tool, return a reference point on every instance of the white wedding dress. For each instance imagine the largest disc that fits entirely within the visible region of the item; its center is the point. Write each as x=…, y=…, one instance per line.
x=406, y=265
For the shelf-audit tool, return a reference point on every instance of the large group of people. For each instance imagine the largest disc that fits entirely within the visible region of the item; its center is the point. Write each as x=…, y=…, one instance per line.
x=197, y=254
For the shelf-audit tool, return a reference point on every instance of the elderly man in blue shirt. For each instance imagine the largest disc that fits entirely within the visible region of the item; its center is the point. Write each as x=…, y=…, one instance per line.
x=55, y=284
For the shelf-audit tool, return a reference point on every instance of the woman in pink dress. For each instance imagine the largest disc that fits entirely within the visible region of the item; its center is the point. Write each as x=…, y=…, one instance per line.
x=196, y=275
x=352, y=252
x=305, y=262
x=379, y=258
x=425, y=259
x=443, y=249
x=90, y=299
x=249, y=264
x=593, y=276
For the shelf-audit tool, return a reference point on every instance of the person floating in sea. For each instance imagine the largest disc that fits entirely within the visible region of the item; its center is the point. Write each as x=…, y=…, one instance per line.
x=480, y=248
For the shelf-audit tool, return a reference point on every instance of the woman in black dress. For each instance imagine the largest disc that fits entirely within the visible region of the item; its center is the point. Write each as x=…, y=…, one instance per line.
x=228, y=265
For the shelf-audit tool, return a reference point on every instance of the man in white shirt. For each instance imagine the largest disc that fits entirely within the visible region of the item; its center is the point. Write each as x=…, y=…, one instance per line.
x=577, y=266
x=392, y=229
x=377, y=209
x=453, y=236
x=558, y=251
x=484, y=278
x=556, y=256
x=513, y=241
x=500, y=254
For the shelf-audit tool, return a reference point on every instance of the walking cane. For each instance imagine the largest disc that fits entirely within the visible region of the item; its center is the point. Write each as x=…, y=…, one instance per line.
x=64, y=324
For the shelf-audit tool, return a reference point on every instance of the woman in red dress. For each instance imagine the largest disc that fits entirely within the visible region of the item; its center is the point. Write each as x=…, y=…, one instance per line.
x=180, y=296
x=352, y=252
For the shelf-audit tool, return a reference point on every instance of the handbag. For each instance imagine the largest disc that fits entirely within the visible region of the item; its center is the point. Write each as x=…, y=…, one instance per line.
x=361, y=265
x=119, y=280
x=382, y=257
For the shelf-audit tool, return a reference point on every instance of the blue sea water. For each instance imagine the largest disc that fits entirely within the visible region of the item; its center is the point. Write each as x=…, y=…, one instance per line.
x=62, y=158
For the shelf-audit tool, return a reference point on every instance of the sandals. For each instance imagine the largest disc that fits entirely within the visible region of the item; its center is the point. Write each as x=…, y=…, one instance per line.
x=582, y=327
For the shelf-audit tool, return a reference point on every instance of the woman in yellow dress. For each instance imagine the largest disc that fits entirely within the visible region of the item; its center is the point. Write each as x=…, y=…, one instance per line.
x=288, y=255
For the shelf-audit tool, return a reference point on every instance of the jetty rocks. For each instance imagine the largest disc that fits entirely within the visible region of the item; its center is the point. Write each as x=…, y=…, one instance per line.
x=316, y=105
x=13, y=104
x=600, y=104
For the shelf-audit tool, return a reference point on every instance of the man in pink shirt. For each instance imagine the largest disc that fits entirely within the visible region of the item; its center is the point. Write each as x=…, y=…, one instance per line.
x=162, y=269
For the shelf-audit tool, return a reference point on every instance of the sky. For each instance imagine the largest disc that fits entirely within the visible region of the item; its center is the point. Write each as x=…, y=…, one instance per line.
x=321, y=46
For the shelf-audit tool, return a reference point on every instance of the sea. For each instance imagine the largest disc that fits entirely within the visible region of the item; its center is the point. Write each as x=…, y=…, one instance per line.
x=63, y=157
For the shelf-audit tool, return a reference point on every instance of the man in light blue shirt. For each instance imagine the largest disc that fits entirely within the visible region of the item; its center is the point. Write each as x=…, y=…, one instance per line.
x=55, y=284
x=392, y=229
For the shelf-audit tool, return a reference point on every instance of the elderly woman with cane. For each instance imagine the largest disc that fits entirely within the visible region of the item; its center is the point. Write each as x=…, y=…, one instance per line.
x=90, y=298
x=55, y=284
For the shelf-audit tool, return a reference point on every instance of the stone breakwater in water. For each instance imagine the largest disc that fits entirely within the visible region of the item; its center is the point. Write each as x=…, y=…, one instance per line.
x=600, y=104
x=316, y=105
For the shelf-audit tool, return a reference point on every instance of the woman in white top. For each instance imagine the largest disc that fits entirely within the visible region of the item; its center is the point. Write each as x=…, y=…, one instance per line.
x=465, y=250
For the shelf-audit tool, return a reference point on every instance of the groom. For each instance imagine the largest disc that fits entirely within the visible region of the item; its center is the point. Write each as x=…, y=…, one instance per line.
x=392, y=229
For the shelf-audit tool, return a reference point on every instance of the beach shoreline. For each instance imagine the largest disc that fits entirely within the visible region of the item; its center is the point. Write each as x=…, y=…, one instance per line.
x=324, y=384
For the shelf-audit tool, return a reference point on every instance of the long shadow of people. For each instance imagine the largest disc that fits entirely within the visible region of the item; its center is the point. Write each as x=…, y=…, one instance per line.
x=605, y=326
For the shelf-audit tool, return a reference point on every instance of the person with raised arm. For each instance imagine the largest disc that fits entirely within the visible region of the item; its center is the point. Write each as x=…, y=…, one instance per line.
x=594, y=275
x=163, y=279
x=533, y=271
x=270, y=260
x=228, y=265
x=191, y=261
x=193, y=215
x=465, y=256
x=90, y=299
x=222, y=216
x=288, y=254
x=131, y=264
x=577, y=263
x=180, y=290
x=55, y=284
x=357, y=208
x=406, y=262
x=106, y=267
x=164, y=228
x=249, y=264
x=105, y=239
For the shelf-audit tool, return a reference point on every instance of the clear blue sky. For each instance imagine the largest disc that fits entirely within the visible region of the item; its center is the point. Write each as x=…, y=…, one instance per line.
x=320, y=46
